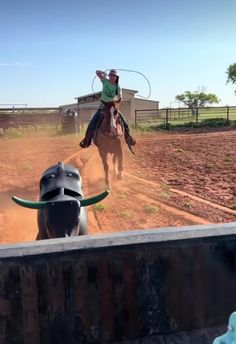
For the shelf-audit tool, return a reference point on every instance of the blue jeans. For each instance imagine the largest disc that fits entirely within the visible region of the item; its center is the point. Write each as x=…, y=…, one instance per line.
x=94, y=121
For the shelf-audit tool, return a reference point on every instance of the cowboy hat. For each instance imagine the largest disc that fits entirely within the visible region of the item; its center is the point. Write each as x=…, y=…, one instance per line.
x=114, y=72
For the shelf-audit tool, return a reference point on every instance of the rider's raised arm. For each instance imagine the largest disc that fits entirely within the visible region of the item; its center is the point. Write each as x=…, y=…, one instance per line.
x=101, y=74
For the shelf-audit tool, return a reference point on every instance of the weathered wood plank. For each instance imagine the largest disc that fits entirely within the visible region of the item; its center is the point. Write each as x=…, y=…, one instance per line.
x=120, y=287
x=30, y=304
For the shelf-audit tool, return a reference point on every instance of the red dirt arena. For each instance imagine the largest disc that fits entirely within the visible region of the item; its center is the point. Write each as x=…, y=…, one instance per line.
x=173, y=179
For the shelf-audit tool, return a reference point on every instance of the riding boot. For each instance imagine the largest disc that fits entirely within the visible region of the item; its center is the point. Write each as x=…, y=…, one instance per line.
x=128, y=138
x=87, y=141
x=93, y=124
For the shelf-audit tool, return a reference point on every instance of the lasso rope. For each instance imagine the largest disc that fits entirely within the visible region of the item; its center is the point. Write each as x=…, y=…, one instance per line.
x=132, y=71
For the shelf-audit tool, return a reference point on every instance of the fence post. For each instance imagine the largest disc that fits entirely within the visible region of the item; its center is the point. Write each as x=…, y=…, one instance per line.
x=135, y=118
x=167, y=118
x=197, y=115
x=227, y=113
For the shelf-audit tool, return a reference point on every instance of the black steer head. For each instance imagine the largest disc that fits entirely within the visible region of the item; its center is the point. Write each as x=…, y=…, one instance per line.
x=61, y=209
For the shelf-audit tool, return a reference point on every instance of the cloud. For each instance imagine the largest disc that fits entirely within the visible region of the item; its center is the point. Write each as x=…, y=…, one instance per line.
x=12, y=64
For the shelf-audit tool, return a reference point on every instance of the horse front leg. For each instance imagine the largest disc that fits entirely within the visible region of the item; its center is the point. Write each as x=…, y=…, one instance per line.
x=114, y=159
x=106, y=168
x=120, y=157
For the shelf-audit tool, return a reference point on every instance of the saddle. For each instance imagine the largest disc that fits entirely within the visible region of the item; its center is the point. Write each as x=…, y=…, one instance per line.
x=109, y=105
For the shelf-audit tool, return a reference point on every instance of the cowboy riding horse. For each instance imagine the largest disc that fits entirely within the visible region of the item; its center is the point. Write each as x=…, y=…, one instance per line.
x=108, y=138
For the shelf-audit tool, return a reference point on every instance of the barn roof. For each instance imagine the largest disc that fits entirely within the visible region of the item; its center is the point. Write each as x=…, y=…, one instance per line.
x=91, y=97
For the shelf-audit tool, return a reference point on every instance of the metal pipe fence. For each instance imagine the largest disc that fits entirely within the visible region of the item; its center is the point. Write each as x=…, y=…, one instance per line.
x=178, y=116
x=42, y=117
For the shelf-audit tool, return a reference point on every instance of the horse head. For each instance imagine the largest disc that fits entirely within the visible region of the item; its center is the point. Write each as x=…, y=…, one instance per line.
x=111, y=119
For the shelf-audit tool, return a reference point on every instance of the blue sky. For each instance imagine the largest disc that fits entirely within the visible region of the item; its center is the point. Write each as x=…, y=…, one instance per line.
x=51, y=49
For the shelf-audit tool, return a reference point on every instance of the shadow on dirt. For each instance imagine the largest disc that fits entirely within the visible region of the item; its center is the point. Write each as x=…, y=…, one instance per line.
x=24, y=192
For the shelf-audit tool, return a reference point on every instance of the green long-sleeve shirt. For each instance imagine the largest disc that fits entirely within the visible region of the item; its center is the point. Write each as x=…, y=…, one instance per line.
x=110, y=92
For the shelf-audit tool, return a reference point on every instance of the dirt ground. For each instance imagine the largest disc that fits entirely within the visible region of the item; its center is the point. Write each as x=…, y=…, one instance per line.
x=172, y=180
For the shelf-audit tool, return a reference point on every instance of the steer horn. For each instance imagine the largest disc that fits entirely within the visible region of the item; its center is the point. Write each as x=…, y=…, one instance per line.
x=42, y=204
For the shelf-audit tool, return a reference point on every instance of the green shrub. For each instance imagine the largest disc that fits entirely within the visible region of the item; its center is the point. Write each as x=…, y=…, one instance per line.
x=13, y=132
x=214, y=122
x=205, y=123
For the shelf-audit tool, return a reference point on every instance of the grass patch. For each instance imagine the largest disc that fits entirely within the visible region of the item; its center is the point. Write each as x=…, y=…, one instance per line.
x=122, y=195
x=179, y=150
x=151, y=209
x=126, y=214
x=13, y=133
x=27, y=167
x=182, y=124
x=189, y=205
x=228, y=159
x=100, y=207
x=164, y=186
x=144, y=128
x=164, y=194
x=210, y=165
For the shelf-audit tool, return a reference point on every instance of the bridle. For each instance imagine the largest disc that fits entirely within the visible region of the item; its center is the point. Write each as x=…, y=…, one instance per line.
x=115, y=129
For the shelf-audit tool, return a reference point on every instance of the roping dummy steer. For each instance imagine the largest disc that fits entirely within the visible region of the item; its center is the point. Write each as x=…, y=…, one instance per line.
x=61, y=211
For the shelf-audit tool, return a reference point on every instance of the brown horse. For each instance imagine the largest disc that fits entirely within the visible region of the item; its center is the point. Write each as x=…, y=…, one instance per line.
x=108, y=139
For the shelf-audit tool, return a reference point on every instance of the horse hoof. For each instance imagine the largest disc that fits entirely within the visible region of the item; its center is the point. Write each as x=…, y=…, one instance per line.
x=120, y=175
x=107, y=186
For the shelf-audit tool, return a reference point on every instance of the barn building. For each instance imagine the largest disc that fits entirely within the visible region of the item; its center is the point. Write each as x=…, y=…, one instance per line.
x=88, y=104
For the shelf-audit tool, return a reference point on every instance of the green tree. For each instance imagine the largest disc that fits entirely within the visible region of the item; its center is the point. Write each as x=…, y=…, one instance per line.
x=231, y=74
x=197, y=99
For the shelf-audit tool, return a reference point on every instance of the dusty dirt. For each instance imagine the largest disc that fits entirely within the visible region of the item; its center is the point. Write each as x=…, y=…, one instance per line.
x=172, y=180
